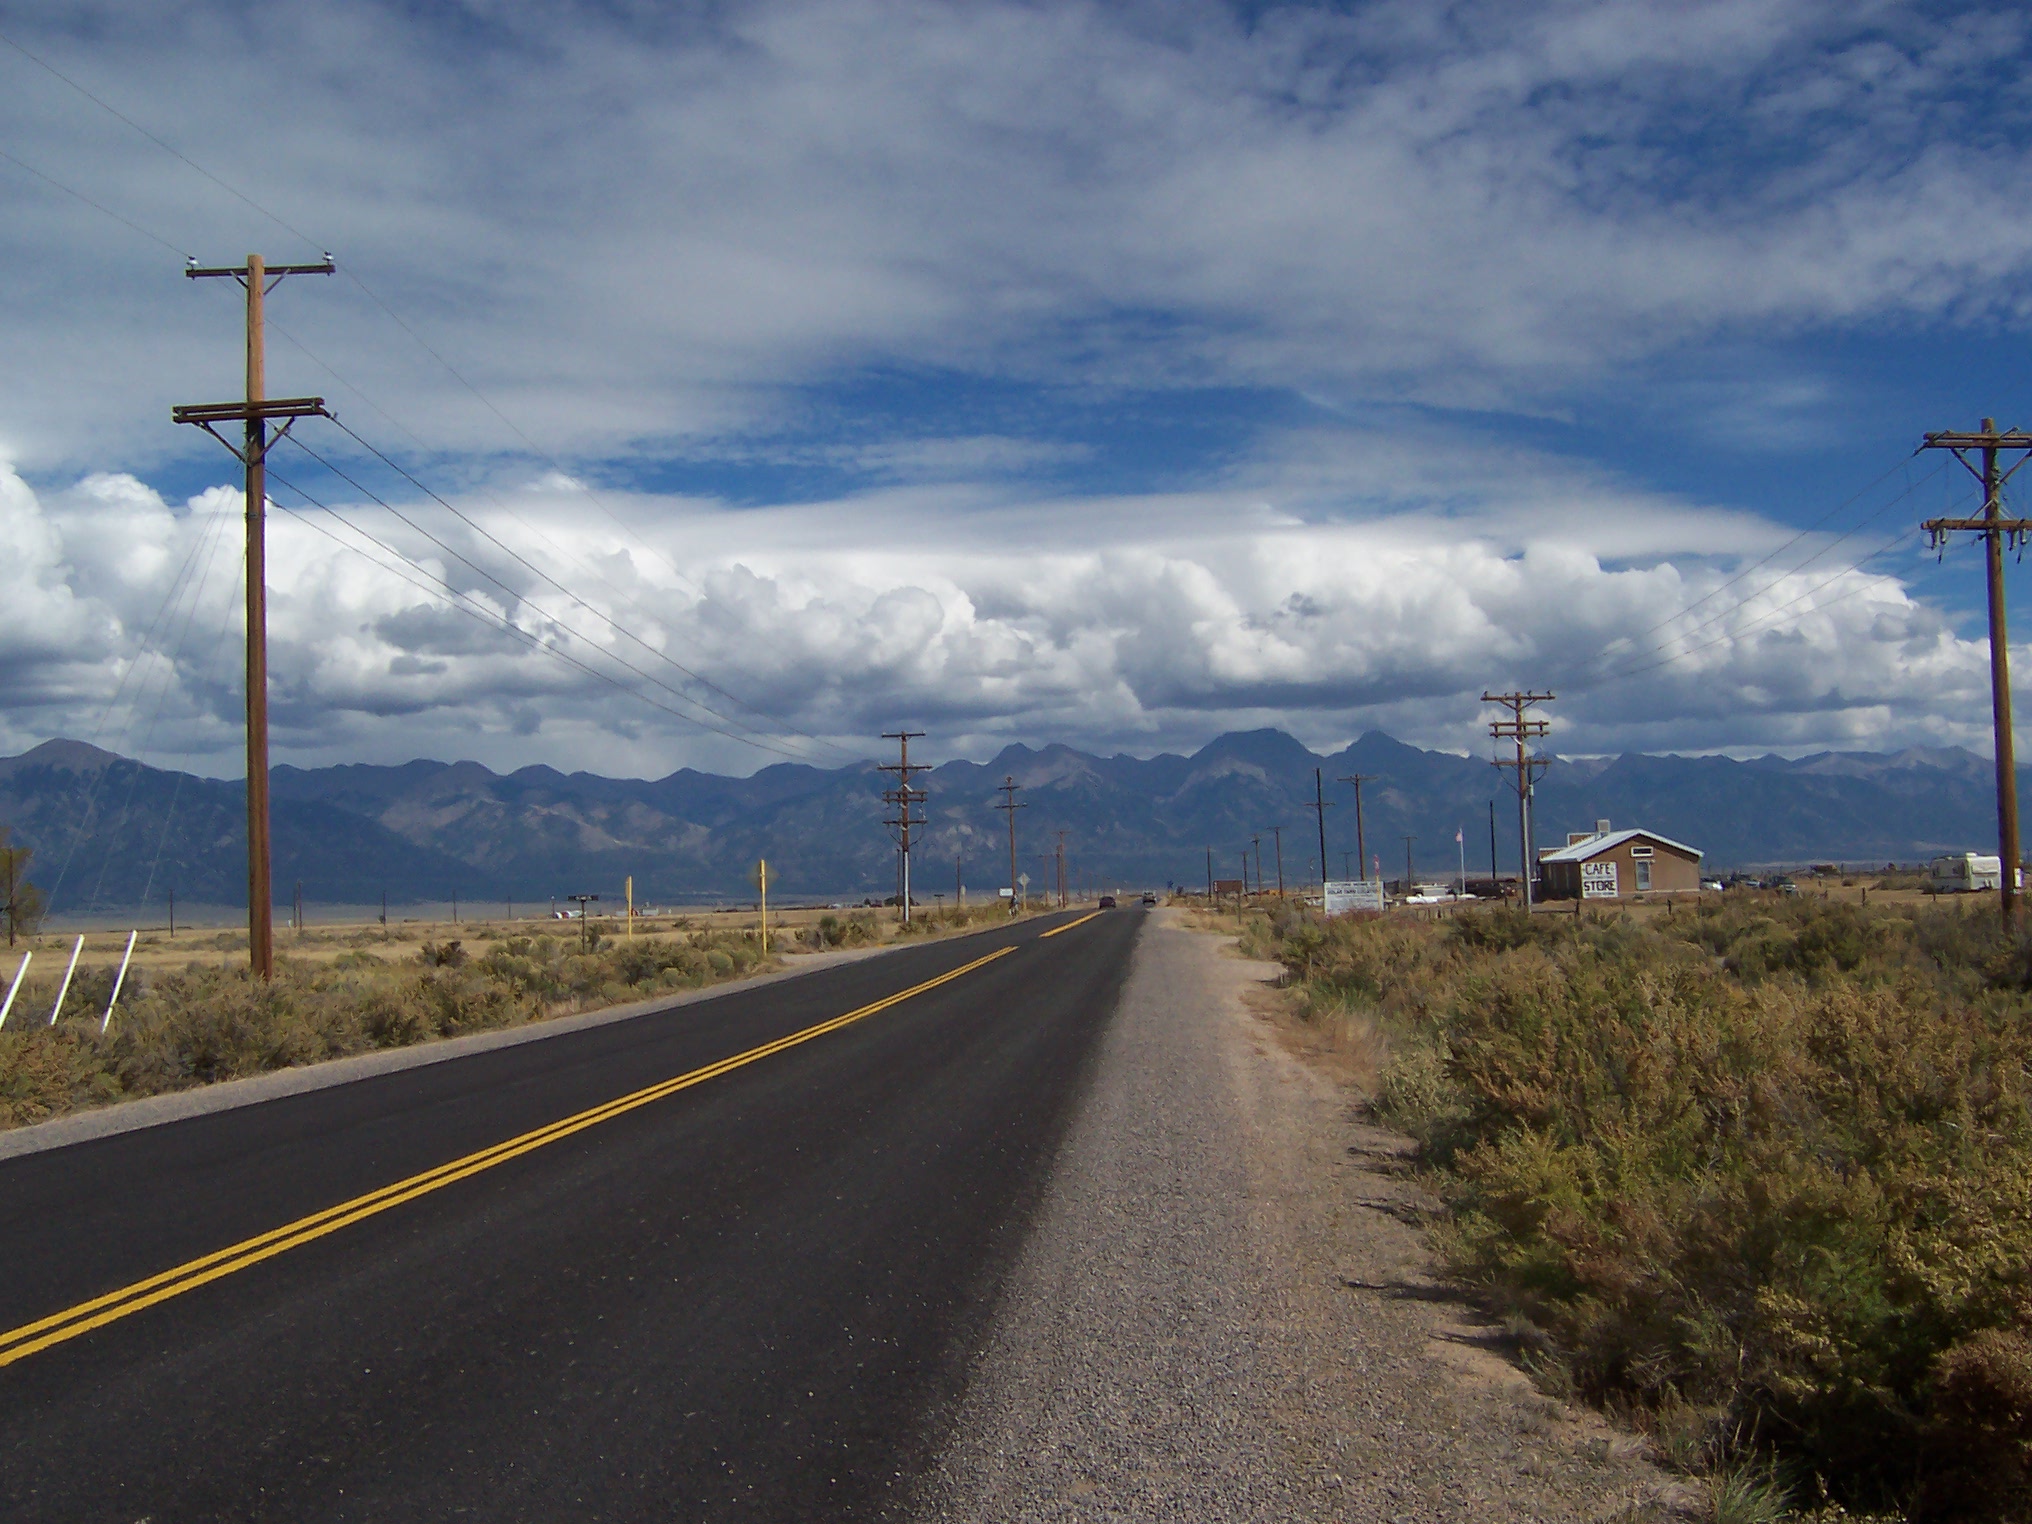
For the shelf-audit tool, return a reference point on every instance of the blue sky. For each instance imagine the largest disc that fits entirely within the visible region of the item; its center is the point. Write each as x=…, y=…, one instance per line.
x=1115, y=374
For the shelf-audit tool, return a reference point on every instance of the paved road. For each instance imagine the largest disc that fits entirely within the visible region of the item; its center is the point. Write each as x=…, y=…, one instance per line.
x=754, y=1296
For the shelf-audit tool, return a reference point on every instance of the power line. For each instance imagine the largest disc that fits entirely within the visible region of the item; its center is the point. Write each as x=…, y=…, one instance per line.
x=1768, y=615
x=168, y=148
x=620, y=595
x=1754, y=566
x=78, y=195
x=519, y=597
x=464, y=603
x=1748, y=598
x=540, y=573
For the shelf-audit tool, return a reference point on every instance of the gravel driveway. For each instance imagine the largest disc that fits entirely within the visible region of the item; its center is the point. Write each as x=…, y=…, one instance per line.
x=1222, y=1315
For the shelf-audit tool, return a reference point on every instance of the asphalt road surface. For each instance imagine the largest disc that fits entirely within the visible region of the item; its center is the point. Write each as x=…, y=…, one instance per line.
x=673, y=1268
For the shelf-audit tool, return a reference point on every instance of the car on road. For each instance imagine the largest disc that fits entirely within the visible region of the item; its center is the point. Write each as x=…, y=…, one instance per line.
x=1149, y=899
x=1107, y=902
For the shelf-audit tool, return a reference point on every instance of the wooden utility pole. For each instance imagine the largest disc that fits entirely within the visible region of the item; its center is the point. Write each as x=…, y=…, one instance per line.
x=1521, y=730
x=1319, y=808
x=1009, y=807
x=905, y=798
x=1277, y=840
x=1061, y=870
x=254, y=412
x=1995, y=530
x=1257, y=843
x=1410, y=879
x=1361, y=847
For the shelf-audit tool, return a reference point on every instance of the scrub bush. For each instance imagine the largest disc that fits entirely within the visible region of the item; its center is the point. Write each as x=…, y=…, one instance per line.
x=1764, y=1170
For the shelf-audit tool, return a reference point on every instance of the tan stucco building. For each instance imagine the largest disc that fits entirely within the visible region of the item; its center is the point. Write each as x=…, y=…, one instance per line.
x=1610, y=865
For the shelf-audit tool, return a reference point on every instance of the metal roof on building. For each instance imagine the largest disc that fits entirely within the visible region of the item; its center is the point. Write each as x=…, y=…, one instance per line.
x=1594, y=846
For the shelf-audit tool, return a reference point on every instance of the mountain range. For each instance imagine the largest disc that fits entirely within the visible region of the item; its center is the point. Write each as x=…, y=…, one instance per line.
x=110, y=832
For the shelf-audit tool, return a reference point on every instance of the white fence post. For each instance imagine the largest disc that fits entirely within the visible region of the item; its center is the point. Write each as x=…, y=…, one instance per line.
x=66, y=988
x=15, y=988
x=118, y=980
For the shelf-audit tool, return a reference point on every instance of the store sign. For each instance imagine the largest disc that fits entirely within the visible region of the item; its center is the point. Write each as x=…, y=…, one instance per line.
x=1598, y=881
x=1345, y=894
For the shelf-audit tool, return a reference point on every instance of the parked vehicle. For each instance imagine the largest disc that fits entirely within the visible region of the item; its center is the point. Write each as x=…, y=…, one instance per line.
x=1966, y=873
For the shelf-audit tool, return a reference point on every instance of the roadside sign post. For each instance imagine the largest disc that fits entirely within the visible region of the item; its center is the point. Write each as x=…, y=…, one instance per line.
x=584, y=900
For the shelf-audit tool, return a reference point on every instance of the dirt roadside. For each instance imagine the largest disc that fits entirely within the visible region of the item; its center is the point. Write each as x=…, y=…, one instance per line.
x=1225, y=1311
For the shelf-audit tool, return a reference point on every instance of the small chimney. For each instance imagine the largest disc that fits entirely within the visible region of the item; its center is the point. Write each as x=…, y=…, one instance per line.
x=1601, y=828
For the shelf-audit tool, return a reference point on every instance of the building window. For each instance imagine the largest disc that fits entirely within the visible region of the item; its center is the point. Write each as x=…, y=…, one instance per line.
x=1643, y=867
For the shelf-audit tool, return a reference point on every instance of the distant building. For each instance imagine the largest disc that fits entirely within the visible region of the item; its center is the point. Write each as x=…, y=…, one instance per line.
x=1609, y=865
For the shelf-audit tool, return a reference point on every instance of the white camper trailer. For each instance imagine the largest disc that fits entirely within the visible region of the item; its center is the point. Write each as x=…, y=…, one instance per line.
x=1966, y=872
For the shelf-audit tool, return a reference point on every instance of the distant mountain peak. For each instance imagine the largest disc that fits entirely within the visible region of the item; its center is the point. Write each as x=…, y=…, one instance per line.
x=63, y=755
x=1266, y=748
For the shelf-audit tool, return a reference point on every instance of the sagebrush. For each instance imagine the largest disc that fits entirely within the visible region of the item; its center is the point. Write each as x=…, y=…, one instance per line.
x=1759, y=1174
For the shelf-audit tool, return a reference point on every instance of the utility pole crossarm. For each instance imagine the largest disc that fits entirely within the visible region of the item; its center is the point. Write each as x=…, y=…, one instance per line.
x=197, y=271
x=241, y=412
x=254, y=415
x=1981, y=439
x=1939, y=527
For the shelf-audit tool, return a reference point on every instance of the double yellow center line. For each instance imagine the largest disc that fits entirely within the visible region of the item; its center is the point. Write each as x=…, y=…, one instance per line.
x=18, y=1343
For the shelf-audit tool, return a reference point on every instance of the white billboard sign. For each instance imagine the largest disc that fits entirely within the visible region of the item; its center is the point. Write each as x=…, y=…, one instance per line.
x=1345, y=894
x=1598, y=881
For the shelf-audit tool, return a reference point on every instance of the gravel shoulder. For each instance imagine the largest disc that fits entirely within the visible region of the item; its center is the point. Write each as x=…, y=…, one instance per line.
x=1224, y=1310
